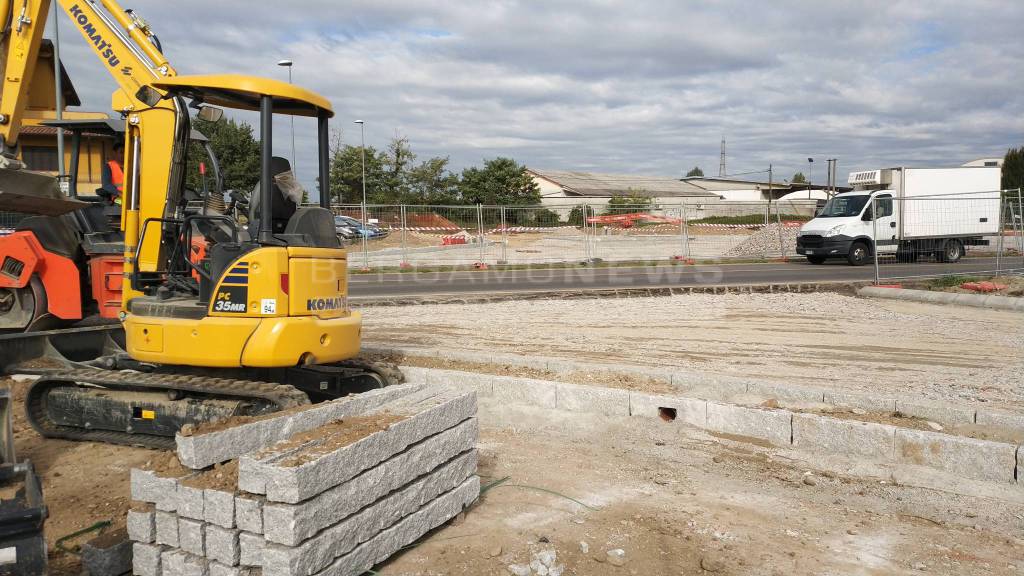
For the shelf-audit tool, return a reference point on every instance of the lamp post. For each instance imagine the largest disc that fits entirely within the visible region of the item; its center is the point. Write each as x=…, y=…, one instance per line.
x=288, y=64
x=810, y=164
x=362, y=155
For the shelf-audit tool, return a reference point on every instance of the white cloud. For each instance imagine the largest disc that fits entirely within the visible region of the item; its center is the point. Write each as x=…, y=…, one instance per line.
x=638, y=86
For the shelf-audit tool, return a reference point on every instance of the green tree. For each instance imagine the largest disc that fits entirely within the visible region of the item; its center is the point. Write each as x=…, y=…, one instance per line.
x=576, y=215
x=696, y=171
x=347, y=173
x=430, y=182
x=1013, y=169
x=635, y=200
x=798, y=178
x=500, y=181
x=237, y=150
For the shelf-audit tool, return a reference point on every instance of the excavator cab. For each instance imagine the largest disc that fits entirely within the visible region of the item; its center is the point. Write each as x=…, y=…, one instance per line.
x=271, y=293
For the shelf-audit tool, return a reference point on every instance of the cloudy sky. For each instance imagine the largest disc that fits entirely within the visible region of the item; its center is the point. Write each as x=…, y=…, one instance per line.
x=634, y=86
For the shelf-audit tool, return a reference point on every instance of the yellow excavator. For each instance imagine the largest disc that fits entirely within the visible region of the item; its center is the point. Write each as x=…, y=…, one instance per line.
x=221, y=318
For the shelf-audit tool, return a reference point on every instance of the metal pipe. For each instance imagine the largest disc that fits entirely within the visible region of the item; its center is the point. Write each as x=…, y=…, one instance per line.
x=266, y=231
x=76, y=147
x=874, y=234
x=323, y=144
x=59, y=98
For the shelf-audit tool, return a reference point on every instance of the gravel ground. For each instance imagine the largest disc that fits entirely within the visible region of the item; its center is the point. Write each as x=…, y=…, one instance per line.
x=767, y=242
x=884, y=347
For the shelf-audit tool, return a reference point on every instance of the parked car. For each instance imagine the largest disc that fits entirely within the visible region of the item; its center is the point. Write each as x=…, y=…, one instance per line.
x=350, y=228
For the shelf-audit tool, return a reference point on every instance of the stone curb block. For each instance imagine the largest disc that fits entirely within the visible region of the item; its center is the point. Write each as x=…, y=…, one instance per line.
x=146, y=486
x=192, y=536
x=689, y=410
x=775, y=426
x=204, y=450
x=219, y=508
x=250, y=549
x=222, y=545
x=190, y=502
x=321, y=550
x=992, y=301
x=967, y=457
x=218, y=569
x=141, y=526
x=292, y=484
x=403, y=533
x=116, y=559
x=998, y=418
x=786, y=391
x=524, y=391
x=593, y=399
x=938, y=412
x=861, y=402
x=146, y=559
x=289, y=524
x=249, y=514
x=835, y=436
x=482, y=383
x=166, y=528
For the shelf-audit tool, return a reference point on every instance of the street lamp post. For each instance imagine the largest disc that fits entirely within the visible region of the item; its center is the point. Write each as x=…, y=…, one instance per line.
x=810, y=164
x=362, y=155
x=295, y=169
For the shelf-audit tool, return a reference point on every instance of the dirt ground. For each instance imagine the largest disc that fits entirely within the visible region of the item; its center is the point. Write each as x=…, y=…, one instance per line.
x=829, y=340
x=678, y=502
x=83, y=483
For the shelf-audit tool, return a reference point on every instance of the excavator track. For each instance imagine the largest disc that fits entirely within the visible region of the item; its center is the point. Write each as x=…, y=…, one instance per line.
x=278, y=395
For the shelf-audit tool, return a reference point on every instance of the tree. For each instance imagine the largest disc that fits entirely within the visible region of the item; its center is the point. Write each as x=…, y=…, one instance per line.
x=696, y=171
x=237, y=150
x=635, y=200
x=799, y=178
x=347, y=173
x=501, y=181
x=1013, y=169
x=430, y=182
x=576, y=215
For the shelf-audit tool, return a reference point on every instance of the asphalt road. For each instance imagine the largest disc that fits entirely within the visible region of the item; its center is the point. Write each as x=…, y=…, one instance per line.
x=584, y=278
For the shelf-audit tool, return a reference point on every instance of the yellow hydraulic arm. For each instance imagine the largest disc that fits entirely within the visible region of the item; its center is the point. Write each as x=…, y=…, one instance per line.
x=126, y=46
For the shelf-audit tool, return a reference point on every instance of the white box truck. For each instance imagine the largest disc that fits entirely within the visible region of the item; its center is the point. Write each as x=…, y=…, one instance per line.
x=921, y=211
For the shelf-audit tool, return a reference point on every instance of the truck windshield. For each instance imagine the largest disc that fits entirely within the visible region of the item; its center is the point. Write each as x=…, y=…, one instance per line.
x=840, y=206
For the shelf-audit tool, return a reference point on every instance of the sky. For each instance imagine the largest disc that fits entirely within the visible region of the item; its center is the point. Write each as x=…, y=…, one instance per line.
x=642, y=87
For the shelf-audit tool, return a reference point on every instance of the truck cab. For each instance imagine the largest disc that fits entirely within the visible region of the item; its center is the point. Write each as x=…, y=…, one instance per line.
x=846, y=228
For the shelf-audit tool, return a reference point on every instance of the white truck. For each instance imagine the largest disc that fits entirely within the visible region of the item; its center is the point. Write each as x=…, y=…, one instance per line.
x=921, y=211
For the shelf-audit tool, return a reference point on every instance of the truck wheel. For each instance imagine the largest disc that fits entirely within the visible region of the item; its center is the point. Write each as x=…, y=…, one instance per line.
x=817, y=259
x=951, y=252
x=858, y=255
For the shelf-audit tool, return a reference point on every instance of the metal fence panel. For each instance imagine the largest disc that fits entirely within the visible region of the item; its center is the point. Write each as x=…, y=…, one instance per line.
x=961, y=238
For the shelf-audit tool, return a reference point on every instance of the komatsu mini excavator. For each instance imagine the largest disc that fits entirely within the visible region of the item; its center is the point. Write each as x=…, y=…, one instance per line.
x=259, y=322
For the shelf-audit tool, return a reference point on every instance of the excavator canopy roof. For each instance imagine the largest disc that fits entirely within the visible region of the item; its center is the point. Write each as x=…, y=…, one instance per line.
x=244, y=92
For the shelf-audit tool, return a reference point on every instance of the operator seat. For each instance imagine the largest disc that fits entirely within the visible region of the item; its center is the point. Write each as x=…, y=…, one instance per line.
x=307, y=226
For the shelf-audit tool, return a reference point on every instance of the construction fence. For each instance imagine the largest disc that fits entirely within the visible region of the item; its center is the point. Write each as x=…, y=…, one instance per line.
x=961, y=239
x=426, y=236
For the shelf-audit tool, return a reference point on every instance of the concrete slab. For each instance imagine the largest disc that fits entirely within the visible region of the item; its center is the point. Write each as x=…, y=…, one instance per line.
x=835, y=436
x=249, y=513
x=943, y=413
x=189, y=502
x=289, y=524
x=219, y=508
x=775, y=426
x=966, y=457
x=141, y=525
x=166, y=528
x=442, y=410
x=146, y=559
x=222, y=545
x=203, y=450
x=513, y=390
x=250, y=549
x=403, y=533
x=876, y=404
x=592, y=399
x=321, y=550
x=192, y=536
x=686, y=410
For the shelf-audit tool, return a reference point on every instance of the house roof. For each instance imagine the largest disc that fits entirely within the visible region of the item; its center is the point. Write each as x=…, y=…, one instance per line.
x=594, y=184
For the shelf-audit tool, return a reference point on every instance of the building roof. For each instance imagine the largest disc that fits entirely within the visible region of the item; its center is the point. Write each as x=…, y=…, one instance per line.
x=606, y=185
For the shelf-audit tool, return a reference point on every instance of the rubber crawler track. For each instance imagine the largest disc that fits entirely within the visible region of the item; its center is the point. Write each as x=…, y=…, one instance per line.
x=282, y=396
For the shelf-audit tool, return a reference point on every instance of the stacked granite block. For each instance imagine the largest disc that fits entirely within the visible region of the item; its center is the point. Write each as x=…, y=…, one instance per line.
x=332, y=490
